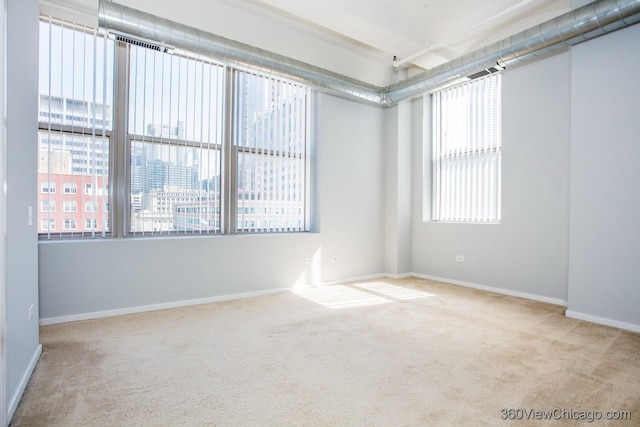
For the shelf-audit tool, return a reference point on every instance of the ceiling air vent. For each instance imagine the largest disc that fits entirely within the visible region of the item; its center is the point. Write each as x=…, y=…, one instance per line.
x=139, y=41
x=496, y=68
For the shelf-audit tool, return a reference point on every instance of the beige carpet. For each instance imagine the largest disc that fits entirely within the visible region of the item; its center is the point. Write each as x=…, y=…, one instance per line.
x=405, y=352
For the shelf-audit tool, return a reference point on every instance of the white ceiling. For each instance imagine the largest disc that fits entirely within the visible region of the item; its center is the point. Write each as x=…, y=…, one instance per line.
x=425, y=33
x=356, y=38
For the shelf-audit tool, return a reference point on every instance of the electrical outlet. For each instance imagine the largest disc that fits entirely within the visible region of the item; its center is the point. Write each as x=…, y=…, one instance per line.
x=459, y=258
x=308, y=261
x=31, y=313
x=30, y=216
x=334, y=258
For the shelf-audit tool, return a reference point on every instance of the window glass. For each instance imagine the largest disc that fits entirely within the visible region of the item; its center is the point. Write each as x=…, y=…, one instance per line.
x=75, y=119
x=467, y=152
x=271, y=160
x=183, y=113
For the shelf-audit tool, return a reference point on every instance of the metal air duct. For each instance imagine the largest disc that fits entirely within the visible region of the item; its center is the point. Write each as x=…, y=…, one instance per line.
x=124, y=20
x=578, y=25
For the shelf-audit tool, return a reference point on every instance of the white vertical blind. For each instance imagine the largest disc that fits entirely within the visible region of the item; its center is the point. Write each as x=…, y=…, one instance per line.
x=271, y=142
x=75, y=105
x=195, y=147
x=467, y=152
x=176, y=136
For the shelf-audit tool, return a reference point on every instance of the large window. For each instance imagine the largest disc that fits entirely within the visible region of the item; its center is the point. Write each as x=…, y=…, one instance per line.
x=467, y=152
x=167, y=143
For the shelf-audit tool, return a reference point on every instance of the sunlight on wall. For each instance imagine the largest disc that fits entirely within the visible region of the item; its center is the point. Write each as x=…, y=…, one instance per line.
x=312, y=274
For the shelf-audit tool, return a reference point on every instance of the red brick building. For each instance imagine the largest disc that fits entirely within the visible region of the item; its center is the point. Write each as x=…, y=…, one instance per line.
x=72, y=203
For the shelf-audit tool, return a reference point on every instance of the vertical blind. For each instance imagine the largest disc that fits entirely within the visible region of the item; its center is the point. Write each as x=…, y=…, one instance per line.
x=192, y=146
x=75, y=93
x=271, y=141
x=175, y=132
x=467, y=152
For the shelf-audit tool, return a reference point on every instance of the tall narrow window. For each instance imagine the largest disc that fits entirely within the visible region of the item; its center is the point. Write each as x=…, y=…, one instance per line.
x=467, y=152
x=271, y=145
x=176, y=111
x=75, y=115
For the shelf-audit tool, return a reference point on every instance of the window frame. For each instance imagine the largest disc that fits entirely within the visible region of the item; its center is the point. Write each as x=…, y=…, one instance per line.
x=50, y=203
x=51, y=223
x=118, y=203
x=467, y=199
x=69, y=188
x=75, y=129
x=93, y=224
x=48, y=187
x=70, y=206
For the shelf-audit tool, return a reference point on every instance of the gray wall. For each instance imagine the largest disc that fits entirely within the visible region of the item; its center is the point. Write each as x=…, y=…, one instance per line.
x=22, y=348
x=397, y=190
x=604, y=273
x=527, y=253
x=363, y=198
x=79, y=277
x=3, y=213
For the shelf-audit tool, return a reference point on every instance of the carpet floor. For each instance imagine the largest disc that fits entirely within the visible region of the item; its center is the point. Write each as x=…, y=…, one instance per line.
x=406, y=352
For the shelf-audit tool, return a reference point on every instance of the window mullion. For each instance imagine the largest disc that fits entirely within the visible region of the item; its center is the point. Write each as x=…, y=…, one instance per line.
x=119, y=210
x=230, y=156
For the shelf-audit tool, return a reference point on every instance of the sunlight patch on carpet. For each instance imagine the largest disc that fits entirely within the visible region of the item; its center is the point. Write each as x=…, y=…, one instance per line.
x=359, y=294
x=339, y=296
x=393, y=291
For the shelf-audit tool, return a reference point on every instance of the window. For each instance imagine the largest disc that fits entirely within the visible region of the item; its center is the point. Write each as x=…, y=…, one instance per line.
x=211, y=149
x=75, y=117
x=47, y=187
x=70, y=206
x=270, y=149
x=467, y=152
x=90, y=206
x=70, y=188
x=175, y=124
x=48, y=224
x=48, y=205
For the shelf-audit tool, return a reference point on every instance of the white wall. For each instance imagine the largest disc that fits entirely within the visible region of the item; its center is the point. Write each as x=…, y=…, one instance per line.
x=22, y=347
x=79, y=277
x=604, y=272
x=527, y=253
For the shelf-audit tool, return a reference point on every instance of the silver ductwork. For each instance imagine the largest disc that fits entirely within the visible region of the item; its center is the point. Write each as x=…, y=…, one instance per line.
x=125, y=20
x=576, y=26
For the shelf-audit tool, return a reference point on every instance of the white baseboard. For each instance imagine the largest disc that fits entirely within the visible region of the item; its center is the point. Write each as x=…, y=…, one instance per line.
x=509, y=292
x=186, y=303
x=15, y=399
x=602, y=321
x=399, y=276
x=154, y=307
